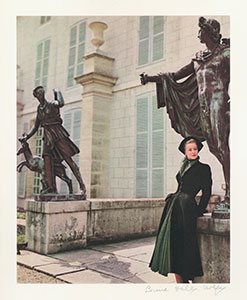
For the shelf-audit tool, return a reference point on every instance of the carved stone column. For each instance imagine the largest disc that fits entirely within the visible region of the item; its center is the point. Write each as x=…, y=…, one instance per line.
x=97, y=83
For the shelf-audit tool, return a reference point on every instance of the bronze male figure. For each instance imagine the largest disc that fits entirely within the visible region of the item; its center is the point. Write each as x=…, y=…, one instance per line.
x=200, y=105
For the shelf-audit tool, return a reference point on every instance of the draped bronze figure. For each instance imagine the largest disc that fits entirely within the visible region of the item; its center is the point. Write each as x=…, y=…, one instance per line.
x=200, y=105
x=57, y=146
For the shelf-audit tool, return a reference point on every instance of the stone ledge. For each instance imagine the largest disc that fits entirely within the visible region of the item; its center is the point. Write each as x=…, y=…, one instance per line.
x=208, y=225
x=107, y=204
x=56, y=207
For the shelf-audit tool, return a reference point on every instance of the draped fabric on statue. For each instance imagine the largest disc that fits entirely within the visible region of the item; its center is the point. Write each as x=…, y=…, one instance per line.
x=182, y=104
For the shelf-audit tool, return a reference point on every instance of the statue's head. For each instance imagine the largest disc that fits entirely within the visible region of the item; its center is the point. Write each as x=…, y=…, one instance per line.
x=39, y=92
x=209, y=28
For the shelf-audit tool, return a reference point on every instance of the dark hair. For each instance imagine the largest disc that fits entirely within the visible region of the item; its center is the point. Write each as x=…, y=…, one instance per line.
x=211, y=27
x=37, y=87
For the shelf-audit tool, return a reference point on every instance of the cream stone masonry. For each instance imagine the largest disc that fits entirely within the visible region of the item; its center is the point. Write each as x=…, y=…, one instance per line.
x=56, y=226
x=97, y=85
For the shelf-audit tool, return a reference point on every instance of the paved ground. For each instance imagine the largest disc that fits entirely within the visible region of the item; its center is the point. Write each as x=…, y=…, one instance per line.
x=26, y=275
x=123, y=262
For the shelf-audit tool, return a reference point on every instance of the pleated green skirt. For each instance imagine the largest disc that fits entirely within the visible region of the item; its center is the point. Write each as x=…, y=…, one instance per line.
x=176, y=248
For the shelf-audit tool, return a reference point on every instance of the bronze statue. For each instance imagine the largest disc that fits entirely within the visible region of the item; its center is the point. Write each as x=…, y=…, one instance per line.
x=200, y=106
x=57, y=145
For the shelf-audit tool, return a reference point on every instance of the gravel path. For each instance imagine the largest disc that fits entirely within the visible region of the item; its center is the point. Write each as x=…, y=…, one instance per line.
x=25, y=275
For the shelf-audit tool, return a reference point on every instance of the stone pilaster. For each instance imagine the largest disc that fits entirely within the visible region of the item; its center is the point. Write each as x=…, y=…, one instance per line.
x=97, y=83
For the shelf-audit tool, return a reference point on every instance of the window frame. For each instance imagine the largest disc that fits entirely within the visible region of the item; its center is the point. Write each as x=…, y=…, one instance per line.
x=76, y=46
x=150, y=42
x=150, y=96
x=40, y=80
x=47, y=19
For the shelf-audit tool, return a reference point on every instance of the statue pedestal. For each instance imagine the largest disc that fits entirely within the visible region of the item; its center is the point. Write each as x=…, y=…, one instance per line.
x=56, y=225
x=214, y=244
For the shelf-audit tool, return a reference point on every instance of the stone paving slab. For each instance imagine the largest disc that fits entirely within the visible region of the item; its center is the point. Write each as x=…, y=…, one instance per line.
x=60, y=268
x=152, y=277
x=89, y=276
x=119, y=267
x=124, y=245
x=32, y=259
x=135, y=251
x=83, y=256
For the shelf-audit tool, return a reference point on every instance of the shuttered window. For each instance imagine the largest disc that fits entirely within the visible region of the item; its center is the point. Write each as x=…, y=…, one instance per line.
x=76, y=52
x=72, y=123
x=42, y=63
x=149, y=148
x=151, y=39
x=37, y=186
x=44, y=19
x=22, y=178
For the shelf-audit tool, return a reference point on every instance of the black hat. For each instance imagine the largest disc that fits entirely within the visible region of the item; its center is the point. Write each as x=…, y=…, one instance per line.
x=182, y=144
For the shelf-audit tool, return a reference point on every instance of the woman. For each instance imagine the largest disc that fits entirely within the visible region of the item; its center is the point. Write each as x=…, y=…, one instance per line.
x=176, y=249
x=199, y=106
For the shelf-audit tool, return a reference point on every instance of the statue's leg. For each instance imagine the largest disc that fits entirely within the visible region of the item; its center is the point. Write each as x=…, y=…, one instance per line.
x=49, y=175
x=74, y=168
x=61, y=173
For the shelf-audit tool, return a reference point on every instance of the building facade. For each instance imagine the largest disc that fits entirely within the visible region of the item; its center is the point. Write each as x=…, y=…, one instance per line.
x=128, y=148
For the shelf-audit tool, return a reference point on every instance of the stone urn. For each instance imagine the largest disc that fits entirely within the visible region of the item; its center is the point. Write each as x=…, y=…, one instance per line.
x=98, y=31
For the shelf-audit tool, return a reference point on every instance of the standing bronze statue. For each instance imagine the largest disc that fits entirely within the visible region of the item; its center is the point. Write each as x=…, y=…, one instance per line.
x=57, y=145
x=200, y=105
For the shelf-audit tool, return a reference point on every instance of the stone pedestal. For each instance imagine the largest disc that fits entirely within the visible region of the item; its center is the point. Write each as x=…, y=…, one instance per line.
x=214, y=244
x=97, y=83
x=56, y=225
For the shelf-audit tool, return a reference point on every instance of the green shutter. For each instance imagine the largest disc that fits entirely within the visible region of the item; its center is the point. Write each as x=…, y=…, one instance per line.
x=157, y=116
x=144, y=27
x=149, y=148
x=143, y=56
x=142, y=148
x=141, y=184
x=158, y=24
x=77, y=128
x=67, y=122
x=82, y=32
x=41, y=72
x=157, y=150
x=76, y=52
x=73, y=36
x=142, y=115
x=157, y=183
x=158, y=47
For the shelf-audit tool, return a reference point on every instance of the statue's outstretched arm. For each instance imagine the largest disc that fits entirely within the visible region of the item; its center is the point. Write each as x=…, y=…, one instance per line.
x=59, y=101
x=184, y=72
x=34, y=129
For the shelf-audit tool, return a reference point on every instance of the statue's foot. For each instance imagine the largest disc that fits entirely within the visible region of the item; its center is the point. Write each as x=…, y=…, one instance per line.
x=48, y=190
x=84, y=193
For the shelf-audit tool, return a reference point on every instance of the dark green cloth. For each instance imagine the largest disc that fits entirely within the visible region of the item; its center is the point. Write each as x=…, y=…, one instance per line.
x=161, y=260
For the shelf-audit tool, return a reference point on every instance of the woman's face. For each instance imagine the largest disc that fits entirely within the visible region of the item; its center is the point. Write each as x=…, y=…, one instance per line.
x=191, y=151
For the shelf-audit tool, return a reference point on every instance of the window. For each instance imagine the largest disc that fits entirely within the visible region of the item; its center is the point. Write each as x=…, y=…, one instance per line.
x=72, y=123
x=149, y=148
x=37, y=186
x=76, y=52
x=23, y=174
x=151, y=39
x=44, y=19
x=42, y=61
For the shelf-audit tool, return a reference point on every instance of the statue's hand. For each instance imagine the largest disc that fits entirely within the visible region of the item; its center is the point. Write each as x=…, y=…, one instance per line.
x=23, y=138
x=144, y=78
